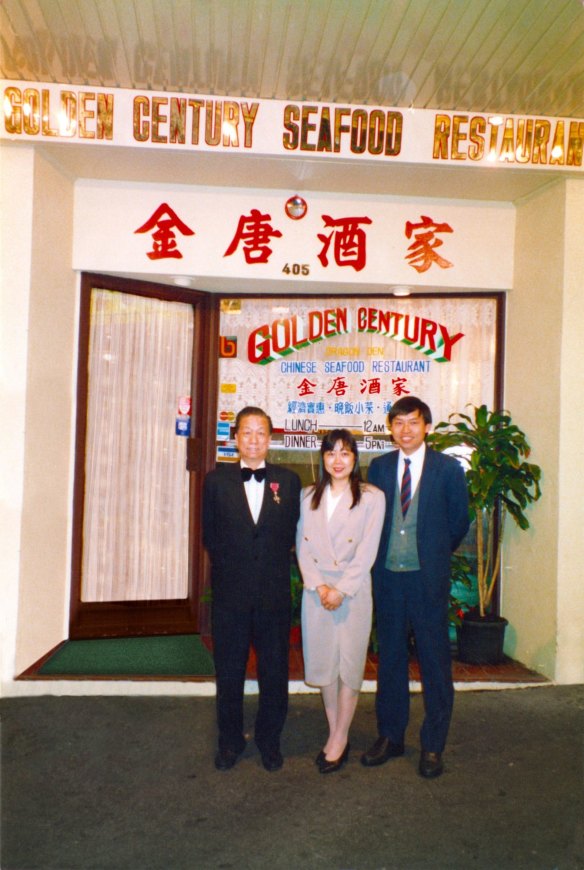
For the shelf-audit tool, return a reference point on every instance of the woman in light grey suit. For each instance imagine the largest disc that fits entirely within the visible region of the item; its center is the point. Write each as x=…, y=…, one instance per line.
x=336, y=543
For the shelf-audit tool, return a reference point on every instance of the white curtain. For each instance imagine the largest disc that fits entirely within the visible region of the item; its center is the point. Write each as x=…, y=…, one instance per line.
x=136, y=512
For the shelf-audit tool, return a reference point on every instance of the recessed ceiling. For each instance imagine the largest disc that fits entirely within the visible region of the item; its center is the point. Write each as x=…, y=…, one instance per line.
x=505, y=56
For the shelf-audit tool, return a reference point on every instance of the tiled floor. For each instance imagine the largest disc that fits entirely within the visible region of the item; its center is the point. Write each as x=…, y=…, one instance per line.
x=508, y=671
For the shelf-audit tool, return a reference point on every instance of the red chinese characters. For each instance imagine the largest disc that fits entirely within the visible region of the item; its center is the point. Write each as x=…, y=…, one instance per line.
x=370, y=385
x=349, y=248
x=423, y=248
x=164, y=221
x=399, y=386
x=306, y=387
x=255, y=232
x=339, y=387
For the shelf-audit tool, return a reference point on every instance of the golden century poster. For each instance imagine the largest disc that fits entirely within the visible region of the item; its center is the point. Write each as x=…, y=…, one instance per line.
x=315, y=364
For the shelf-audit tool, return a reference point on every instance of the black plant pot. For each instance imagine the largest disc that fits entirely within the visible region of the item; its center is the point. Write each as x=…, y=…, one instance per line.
x=480, y=639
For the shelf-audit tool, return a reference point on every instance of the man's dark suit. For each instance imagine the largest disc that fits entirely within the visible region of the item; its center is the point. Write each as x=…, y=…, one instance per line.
x=419, y=599
x=251, y=596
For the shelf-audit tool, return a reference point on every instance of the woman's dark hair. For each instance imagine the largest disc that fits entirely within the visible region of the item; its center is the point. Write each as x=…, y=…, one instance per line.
x=328, y=442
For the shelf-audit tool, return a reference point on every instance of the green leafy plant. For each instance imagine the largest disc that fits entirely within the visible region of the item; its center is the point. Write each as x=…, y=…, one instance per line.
x=461, y=577
x=501, y=483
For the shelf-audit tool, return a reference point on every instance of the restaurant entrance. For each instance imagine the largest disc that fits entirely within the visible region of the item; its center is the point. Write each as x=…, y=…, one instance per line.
x=145, y=378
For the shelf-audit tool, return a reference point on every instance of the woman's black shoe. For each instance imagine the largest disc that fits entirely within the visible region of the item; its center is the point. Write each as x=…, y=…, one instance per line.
x=333, y=766
x=320, y=758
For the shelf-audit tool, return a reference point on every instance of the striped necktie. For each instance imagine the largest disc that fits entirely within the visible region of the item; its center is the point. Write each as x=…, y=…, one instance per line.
x=406, y=487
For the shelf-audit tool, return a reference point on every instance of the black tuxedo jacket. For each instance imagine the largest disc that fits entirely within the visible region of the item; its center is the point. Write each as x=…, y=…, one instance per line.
x=250, y=563
x=443, y=518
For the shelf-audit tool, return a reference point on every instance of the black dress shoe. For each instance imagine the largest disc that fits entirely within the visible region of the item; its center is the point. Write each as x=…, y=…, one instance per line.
x=382, y=750
x=320, y=758
x=272, y=759
x=430, y=764
x=225, y=759
x=331, y=766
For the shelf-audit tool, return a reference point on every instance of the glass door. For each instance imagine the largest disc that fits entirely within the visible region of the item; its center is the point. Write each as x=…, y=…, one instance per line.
x=136, y=547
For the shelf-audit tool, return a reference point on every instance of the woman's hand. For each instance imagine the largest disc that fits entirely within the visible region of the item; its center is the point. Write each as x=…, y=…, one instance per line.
x=322, y=592
x=330, y=598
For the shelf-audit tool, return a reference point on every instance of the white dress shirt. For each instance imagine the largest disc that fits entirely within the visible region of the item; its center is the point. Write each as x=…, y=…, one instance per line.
x=416, y=465
x=254, y=491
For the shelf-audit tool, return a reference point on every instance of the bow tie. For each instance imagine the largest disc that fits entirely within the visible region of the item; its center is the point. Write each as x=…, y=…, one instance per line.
x=258, y=473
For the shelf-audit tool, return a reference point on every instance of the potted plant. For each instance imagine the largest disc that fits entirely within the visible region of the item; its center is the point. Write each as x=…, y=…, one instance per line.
x=461, y=577
x=501, y=484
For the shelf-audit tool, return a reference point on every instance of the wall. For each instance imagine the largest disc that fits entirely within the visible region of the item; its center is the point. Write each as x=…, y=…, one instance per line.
x=16, y=206
x=46, y=335
x=542, y=597
x=570, y=575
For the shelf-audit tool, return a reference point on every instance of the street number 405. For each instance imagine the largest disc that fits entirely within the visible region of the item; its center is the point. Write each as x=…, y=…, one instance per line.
x=296, y=269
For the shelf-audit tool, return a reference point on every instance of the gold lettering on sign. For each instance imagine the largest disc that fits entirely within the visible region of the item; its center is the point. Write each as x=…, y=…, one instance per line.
x=476, y=135
x=511, y=140
x=507, y=150
x=458, y=136
x=290, y=137
x=230, y=122
x=249, y=113
x=540, y=142
x=325, y=138
x=158, y=119
x=340, y=128
x=196, y=106
x=557, y=152
x=105, y=116
x=141, y=128
x=307, y=128
x=376, y=131
x=32, y=118
x=314, y=128
x=524, y=140
x=46, y=115
x=575, y=139
x=216, y=122
x=84, y=114
x=359, y=131
x=441, y=134
x=212, y=130
x=177, y=124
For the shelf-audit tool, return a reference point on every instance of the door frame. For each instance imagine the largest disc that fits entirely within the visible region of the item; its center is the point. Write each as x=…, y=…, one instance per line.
x=169, y=616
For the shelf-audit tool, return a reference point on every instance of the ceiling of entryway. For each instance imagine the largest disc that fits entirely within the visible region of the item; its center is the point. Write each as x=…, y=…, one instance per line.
x=507, y=56
x=499, y=56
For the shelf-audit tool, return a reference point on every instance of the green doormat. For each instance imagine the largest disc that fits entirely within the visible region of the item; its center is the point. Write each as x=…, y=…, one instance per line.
x=181, y=655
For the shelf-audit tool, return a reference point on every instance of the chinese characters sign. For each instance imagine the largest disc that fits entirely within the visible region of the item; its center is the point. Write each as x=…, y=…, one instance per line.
x=147, y=229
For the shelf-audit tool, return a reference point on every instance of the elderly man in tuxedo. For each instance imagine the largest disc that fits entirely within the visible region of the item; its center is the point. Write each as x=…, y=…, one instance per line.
x=426, y=518
x=250, y=511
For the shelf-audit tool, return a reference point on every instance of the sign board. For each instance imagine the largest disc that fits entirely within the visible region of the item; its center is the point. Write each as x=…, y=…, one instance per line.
x=42, y=111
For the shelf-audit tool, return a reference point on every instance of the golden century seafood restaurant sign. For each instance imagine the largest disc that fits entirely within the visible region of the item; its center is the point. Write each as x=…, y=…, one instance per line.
x=53, y=112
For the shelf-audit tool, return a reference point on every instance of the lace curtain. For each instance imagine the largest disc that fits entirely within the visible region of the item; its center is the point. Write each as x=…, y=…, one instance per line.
x=136, y=512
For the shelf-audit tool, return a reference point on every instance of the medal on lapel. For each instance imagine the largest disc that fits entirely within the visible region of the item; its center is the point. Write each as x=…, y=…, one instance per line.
x=275, y=487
